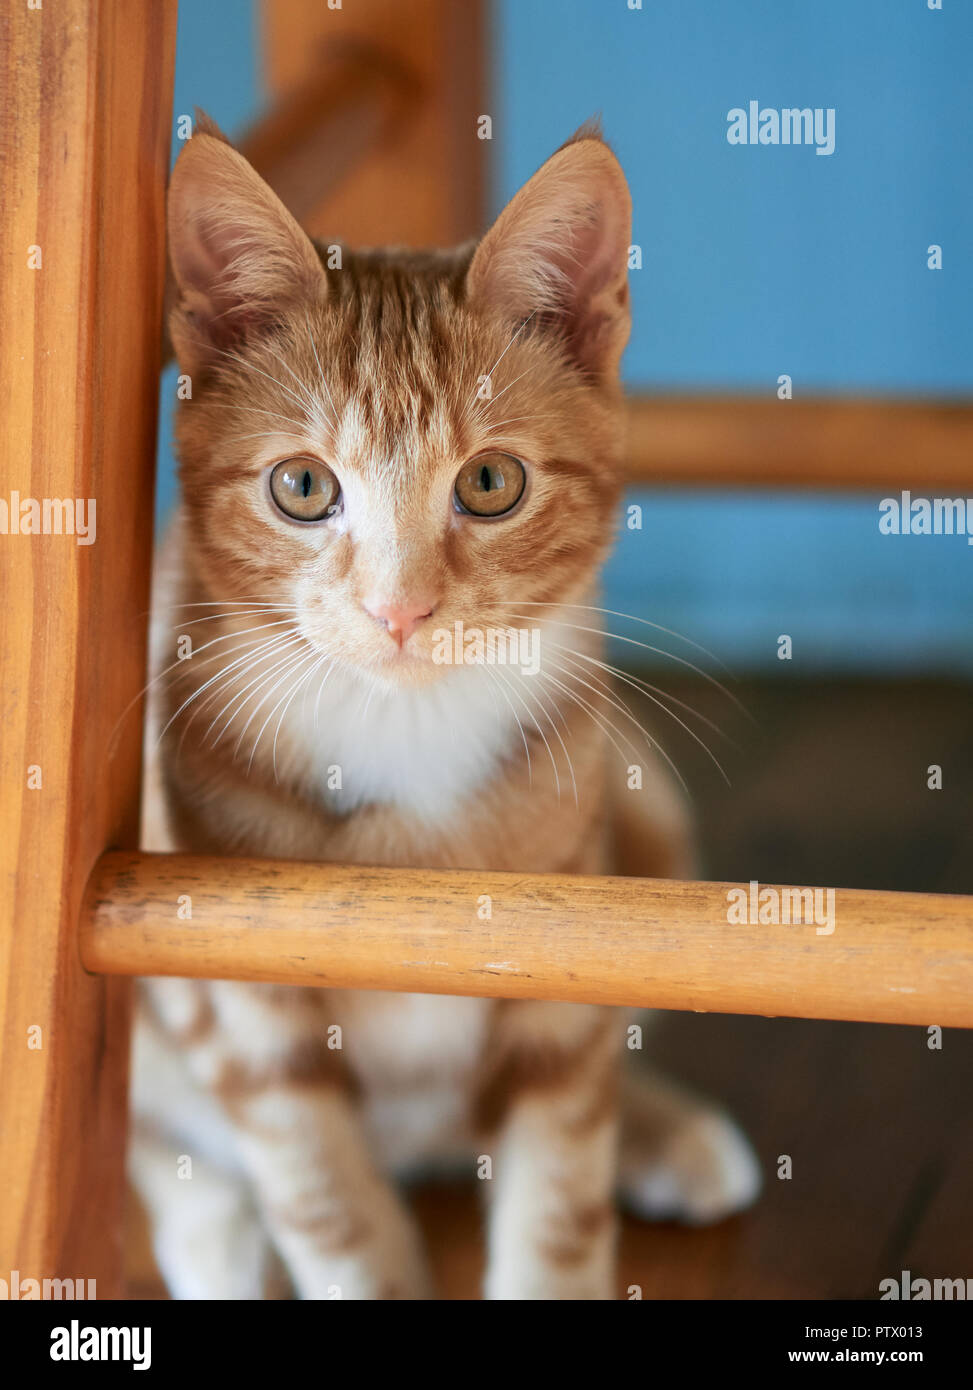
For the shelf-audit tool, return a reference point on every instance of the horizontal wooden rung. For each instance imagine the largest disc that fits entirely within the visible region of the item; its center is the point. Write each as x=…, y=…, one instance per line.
x=843, y=954
x=834, y=442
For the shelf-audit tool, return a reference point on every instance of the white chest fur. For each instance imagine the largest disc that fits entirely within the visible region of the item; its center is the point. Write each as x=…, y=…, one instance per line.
x=423, y=750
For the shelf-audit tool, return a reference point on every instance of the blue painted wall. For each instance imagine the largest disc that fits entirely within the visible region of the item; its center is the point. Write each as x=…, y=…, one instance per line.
x=757, y=261
x=769, y=259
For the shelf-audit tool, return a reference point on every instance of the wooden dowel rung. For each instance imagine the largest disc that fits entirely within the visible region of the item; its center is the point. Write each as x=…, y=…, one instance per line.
x=870, y=445
x=890, y=958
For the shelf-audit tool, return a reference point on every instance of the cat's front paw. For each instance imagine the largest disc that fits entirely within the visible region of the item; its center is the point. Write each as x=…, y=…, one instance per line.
x=700, y=1170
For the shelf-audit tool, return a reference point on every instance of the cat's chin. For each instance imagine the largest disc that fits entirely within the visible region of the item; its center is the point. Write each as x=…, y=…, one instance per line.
x=404, y=670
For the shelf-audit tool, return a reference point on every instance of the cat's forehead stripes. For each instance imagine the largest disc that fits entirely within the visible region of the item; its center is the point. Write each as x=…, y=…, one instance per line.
x=397, y=359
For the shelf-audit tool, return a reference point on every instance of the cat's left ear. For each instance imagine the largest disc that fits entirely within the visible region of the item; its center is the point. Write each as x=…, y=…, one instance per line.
x=559, y=251
x=237, y=254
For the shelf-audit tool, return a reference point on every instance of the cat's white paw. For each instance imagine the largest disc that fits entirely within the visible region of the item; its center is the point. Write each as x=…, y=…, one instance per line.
x=700, y=1170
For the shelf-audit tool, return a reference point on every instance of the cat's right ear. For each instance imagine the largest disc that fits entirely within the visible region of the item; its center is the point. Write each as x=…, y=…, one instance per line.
x=237, y=254
x=559, y=250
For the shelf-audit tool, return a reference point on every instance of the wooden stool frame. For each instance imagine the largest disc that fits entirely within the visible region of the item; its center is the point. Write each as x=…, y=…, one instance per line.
x=86, y=104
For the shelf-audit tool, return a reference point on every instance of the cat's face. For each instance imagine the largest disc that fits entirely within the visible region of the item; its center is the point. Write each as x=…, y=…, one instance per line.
x=402, y=443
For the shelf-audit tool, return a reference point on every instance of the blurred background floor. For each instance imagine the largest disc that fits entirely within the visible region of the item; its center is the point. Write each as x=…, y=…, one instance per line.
x=829, y=787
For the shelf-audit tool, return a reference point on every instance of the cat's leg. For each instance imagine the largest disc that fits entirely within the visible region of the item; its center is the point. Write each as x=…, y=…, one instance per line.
x=207, y=1236
x=340, y=1228
x=552, y=1222
x=680, y=1156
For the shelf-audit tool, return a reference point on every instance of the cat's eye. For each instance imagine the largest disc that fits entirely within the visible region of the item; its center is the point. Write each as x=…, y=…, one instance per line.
x=304, y=489
x=490, y=484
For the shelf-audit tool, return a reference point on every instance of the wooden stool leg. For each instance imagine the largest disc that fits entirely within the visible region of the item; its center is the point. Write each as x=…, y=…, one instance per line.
x=86, y=113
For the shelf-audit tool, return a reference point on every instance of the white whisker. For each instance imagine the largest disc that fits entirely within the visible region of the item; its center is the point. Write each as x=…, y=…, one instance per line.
x=290, y=664
x=307, y=675
x=617, y=704
x=616, y=636
x=236, y=670
x=283, y=654
x=557, y=734
x=523, y=701
x=286, y=696
x=174, y=666
x=588, y=708
x=250, y=366
x=614, y=613
x=619, y=675
x=503, y=354
x=530, y=776
x=301, y=426
x=205, y=686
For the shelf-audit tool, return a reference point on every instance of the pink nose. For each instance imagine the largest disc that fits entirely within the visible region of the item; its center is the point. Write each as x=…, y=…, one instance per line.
x=400, y=619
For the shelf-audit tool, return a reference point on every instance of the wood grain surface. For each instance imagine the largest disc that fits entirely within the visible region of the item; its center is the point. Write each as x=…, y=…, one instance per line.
x=85, y=91
x=892, y=957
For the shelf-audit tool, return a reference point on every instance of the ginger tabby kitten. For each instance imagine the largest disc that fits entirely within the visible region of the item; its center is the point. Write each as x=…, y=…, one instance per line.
x=379, y=445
